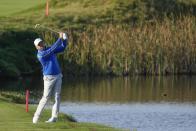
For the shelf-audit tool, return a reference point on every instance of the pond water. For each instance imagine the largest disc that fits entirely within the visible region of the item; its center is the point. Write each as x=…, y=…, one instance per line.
x=132, y=103
x=136, y=116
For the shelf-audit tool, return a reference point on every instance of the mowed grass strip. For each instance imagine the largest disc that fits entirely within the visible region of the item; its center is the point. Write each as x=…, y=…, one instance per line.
x=14, y=118
x=9, y=7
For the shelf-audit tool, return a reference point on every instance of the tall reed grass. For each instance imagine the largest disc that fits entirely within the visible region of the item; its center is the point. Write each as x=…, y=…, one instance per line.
x=157, y=48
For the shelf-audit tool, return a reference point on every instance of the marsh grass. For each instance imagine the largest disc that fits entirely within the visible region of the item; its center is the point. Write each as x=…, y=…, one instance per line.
x=157, y=48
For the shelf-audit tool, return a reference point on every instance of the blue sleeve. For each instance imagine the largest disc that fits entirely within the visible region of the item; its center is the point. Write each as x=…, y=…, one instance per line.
x=51, y=50
x=61, y=47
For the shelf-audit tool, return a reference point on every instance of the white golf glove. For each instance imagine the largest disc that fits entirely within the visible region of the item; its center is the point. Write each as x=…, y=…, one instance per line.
x=64, y=36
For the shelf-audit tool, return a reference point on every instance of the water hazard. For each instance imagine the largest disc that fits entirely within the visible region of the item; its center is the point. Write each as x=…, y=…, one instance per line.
x=135, y=103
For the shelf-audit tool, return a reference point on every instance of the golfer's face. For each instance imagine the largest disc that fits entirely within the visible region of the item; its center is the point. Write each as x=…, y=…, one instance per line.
x=41, y=45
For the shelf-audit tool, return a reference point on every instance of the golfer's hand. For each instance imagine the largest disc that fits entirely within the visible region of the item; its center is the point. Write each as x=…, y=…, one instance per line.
x=64, y=36
x=61, y=35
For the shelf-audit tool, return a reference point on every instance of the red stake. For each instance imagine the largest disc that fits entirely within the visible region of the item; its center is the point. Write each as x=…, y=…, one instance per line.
x=47, y=8
x=27, y=100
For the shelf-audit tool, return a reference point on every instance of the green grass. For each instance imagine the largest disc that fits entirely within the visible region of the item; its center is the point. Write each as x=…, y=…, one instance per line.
x=9, y=7
x=14, y=118
x=79, y=13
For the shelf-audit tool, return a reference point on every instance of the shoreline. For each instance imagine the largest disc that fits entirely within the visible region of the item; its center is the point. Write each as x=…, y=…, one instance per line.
x=13, y=112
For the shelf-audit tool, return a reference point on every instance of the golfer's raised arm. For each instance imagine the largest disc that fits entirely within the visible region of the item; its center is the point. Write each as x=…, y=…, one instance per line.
x=63, y=45
x=52, y=49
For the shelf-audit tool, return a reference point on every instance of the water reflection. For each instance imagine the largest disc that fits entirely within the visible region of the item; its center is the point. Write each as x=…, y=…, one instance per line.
x=131, y=89
x=120, y=89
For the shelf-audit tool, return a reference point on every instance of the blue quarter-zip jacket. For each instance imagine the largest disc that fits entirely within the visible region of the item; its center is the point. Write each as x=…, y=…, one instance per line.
x=48, y=58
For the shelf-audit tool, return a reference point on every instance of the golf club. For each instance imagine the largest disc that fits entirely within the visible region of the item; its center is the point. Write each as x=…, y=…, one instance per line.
x=37, y=26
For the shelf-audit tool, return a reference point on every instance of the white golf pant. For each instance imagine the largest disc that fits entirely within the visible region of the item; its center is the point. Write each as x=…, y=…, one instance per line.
x=52, y=83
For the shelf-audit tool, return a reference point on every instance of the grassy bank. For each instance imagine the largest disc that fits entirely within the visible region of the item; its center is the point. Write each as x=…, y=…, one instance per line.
x=80, y=13
x=9, y=7
x=14, y=118
x=106, y=37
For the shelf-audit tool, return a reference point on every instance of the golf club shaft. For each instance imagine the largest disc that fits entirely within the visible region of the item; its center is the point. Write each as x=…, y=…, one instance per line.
x=52, y=30
x=46, y=28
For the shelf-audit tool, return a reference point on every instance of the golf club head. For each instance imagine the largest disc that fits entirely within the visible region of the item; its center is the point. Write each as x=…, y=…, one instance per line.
x=36, y=26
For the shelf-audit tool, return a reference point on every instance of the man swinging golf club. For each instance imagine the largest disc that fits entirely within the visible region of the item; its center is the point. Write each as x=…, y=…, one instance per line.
x=52, y=74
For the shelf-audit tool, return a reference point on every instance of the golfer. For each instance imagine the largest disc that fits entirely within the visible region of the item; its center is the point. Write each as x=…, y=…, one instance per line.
x=52, y=74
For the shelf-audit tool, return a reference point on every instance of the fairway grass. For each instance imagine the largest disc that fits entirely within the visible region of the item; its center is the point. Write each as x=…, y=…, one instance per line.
x=14, y=118
x=9, y=7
